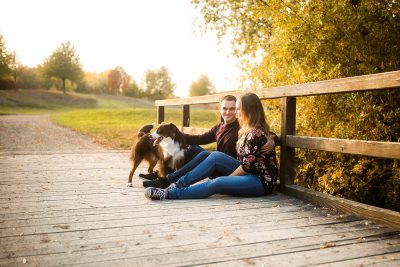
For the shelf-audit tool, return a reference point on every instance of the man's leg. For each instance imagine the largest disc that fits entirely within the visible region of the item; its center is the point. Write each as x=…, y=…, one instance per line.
x=196, y=153
x=173, y=177
x=215, y=162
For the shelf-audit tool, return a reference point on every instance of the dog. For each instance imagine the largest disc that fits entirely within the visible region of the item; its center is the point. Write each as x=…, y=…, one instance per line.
x=166, y=146
x=144, y=150
x=173, y=146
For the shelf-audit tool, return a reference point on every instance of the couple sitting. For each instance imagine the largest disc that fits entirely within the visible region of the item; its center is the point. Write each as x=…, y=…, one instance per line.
x=253, y=173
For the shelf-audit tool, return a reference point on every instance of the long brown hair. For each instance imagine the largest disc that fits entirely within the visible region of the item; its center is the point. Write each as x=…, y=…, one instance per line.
x=251, y=115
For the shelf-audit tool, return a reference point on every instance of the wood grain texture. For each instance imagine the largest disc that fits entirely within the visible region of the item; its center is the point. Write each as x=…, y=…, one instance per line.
x=74, y=209
x=389, y=150
x=380, y=81
x=383, y=216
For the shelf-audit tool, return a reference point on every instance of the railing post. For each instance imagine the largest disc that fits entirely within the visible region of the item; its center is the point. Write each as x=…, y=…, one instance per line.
x=185, y=116
x=288, y=127
x=160, y=114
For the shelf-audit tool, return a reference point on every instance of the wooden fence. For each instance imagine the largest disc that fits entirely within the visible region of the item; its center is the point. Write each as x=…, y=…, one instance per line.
x=288, y=94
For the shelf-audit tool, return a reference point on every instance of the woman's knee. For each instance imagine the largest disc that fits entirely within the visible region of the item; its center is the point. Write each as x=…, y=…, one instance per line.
x=217, y=184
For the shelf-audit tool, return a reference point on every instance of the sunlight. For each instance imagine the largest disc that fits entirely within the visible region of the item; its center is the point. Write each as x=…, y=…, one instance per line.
x=136, y=35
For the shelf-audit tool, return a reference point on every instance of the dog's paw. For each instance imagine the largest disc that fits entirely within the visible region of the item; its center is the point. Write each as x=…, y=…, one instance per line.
x=129, y=185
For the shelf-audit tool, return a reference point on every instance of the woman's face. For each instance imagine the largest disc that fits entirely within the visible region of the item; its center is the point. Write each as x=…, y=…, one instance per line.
x=238, y=105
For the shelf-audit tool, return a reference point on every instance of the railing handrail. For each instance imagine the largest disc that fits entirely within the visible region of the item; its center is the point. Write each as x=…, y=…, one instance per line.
x=386, y=80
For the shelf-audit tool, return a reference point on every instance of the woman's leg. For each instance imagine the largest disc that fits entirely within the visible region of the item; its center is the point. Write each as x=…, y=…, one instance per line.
x=173, y=177
x=248, y=185
x=216, y=161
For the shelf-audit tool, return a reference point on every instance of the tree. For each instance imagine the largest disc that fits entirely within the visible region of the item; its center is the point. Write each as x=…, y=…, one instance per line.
x=284, y=42
x=29, y=78
x=158, y=84
x=281, y=42
x=133, y=89
x=63, y=64
x=94, y=83
x=203, y=86
x=5, y=59
x=118, y=80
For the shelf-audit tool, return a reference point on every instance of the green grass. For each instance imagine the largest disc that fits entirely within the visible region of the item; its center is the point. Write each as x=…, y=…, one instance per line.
x=111, y=121
x=117, y=128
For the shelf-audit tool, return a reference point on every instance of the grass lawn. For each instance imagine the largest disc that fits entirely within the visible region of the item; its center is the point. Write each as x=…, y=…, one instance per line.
x=111, y=121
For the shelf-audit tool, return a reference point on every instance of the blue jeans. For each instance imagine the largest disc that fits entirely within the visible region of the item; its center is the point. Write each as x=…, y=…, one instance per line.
x=248, y=185
x=194, y=155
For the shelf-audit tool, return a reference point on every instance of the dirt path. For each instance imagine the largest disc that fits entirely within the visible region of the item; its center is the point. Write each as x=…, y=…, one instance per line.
x=36, y=133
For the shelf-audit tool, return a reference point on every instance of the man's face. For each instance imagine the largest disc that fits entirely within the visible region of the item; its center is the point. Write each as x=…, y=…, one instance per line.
x=227, y=110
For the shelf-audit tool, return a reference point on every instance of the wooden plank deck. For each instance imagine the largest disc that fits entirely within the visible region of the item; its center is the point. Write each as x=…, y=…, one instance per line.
x=72, y=208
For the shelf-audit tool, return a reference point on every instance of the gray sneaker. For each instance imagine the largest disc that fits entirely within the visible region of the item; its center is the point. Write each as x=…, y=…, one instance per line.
x=156, y=193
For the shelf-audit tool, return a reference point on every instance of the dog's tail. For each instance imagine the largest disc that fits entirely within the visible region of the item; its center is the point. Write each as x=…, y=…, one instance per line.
x=145, y=129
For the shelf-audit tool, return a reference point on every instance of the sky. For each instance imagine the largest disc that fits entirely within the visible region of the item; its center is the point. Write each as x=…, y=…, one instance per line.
x=138, y=35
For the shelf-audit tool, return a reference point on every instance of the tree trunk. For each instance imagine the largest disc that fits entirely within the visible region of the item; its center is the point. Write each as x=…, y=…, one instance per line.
x=63, y=84
x=15, y=79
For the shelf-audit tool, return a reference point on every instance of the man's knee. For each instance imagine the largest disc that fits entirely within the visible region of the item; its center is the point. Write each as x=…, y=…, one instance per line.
x=204, y=153
x=217, y=154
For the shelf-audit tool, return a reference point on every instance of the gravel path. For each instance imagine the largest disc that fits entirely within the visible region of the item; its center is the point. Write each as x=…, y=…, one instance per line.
x=36, y=133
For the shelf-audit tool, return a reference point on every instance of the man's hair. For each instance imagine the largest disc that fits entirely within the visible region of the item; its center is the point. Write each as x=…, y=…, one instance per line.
x=228, y=98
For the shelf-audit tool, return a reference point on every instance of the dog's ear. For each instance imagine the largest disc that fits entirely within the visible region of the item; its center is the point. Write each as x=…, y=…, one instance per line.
x=174, y=127
x=171, y=127
x=146, y=128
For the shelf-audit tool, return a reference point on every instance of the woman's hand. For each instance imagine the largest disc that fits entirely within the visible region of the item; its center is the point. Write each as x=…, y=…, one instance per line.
x=269, y=146
x=238, y=172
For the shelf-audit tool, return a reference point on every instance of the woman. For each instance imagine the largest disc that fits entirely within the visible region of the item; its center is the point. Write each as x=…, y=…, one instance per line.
x=253, y=174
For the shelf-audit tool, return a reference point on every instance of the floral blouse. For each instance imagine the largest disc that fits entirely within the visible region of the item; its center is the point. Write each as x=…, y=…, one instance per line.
x=257, y=160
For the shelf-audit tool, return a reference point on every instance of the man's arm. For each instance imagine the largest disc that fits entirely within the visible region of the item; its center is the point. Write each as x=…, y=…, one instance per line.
x=201, y=139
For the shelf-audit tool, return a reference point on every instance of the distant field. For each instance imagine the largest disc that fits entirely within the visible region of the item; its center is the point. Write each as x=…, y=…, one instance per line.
x=48, y=101
x=111, y=121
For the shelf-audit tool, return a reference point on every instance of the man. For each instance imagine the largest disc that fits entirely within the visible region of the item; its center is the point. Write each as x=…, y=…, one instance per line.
x=225, y=134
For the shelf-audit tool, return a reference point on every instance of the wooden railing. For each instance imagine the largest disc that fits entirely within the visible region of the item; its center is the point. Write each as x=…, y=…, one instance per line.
x=289, y=141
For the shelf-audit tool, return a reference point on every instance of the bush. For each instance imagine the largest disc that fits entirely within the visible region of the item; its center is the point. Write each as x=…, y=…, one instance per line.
x=6, y=84
x=365, y=116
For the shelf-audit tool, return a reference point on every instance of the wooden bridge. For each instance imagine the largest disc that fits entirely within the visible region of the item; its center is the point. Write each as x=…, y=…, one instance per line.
x=72, y=207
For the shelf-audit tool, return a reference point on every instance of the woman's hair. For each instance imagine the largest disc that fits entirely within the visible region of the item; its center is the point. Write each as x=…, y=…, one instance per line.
x=251, y=115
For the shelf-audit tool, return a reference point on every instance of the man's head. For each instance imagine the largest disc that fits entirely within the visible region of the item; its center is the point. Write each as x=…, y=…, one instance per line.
x=227, y=108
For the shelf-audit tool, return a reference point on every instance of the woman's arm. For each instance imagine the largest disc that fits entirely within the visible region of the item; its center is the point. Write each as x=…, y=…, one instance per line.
x=238, y=172
x=253, y=149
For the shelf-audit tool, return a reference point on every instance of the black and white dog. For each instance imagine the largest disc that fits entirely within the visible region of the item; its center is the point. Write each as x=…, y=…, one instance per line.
x=166, y=146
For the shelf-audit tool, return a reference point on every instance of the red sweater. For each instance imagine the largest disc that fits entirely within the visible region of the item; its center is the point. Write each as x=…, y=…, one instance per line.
x=226, y=136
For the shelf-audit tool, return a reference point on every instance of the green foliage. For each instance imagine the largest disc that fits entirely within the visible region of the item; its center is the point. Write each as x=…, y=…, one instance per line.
x=158, y=84
x=286, y=42
x=93, y=83
x=203, y=86
x=282, y=42
x=133, y=90
x=6, y=62
x=5, y=59
x=63, y=64
x=29, y=78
